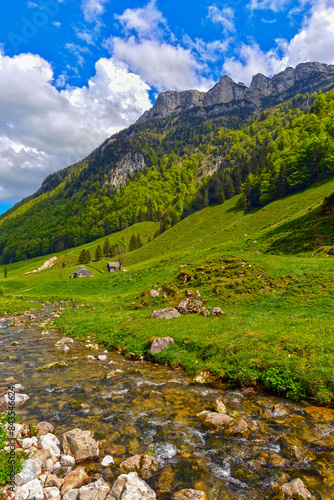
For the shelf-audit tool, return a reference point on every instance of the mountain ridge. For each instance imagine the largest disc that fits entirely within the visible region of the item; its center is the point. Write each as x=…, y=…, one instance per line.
x=226, y=90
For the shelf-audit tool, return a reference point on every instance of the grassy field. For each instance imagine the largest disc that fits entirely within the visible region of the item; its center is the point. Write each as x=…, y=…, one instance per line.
x=278, y=328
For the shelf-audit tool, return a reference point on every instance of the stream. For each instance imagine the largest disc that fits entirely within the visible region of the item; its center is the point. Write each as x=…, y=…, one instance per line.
x=147, y=408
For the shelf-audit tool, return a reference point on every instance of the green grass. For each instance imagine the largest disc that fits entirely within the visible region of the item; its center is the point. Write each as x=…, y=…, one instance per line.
x=279, y=333
x=6, y=456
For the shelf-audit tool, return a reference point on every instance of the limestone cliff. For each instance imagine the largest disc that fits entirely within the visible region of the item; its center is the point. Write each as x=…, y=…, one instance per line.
x=303, y=78
x=128, y=164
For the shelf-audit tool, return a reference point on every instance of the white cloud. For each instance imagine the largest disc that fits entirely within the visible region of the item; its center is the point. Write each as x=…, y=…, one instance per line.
x=43, y=129
x=93, y=9
x=224, y=16
x=313, y=42
x=164, y=66
x=144, y=21
x=77, y=51
x=274, y=5
x=207, y=51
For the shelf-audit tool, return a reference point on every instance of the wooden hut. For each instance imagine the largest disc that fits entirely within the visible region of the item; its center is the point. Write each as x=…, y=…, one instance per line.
x=82, y=272
x=114, y=266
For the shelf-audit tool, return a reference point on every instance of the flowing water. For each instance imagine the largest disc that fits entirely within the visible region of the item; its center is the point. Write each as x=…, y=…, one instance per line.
x=147, y=408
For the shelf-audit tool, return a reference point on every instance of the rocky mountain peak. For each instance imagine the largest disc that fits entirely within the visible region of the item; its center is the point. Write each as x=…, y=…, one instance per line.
x=309, y=75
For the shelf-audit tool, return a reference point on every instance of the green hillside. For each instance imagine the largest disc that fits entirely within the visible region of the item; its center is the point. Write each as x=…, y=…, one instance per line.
x=277, y=330
x=166, y=169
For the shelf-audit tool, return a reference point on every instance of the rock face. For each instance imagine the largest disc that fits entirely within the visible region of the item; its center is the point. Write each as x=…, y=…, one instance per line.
x=144, y=465
x=294, y=490
x=80, y=444
x=130, y=163
x=167, y=313
x=161, y=344
x=131, y=487
x=306, y=75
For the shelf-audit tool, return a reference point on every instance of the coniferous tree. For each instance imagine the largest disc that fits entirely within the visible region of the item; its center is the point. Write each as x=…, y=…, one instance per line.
x=139, y=241
x=82, y=257
x=98, y=253
x=133, y=243
x=88, y=256
x=106, y=248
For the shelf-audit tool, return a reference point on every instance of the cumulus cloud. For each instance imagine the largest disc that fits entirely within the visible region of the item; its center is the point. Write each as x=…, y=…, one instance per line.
x=93, y=9
x=144, y=21
x=224, y=17
x=43, y=129
x=313, y=42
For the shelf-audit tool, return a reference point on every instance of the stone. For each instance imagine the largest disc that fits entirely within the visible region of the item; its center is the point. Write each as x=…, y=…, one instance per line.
x=294, y=490
x=107, y=460
x=20, y=431
x=219, y=406
x=51, y=493
x=42, y=455
x=18, y=400
x=131, y=487
x=75, y=479
x=67, y=461
x=71, y=495
x=54, y=365
x=144, y=465
x=80, y=444
x=291, y=447
x=166, y=313
x=43, y=428
x=56, y=467
x=153, y=293
x=31, y=469
x=190, y=306
x=216, y=421
x=94, y=491
x=18, y=387
x=239, y=429
x=52, y=480
x=29, y=442
x=216, y=311
x=50, y=442
x=63, y=341
x=160, y=344
x=31, y=490
x=102, y=357
x=205, y=312
x=113, y=373
x=189, y=495
x=205, y=377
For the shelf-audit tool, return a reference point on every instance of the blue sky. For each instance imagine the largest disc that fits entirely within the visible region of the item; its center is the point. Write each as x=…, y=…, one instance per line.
x=73, y=72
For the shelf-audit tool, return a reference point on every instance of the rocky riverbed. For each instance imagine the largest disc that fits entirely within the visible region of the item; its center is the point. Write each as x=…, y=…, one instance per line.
x=146, y=431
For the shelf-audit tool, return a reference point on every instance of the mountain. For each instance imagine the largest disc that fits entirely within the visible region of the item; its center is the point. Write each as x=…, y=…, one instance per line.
x=192, y=149
x=305, y=77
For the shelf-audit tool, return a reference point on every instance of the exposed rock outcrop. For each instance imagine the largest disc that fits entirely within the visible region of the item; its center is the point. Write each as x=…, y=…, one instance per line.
x=128, y=164
x=226, y=91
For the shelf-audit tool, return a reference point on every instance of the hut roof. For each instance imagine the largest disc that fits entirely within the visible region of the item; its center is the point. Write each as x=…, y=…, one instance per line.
x=82, y=271
x=114, y=264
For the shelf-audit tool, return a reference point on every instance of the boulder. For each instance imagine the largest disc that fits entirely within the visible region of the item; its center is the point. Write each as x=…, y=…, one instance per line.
x=52, y=480
x=144, y=465
x=31, y=469
x=205, y=312
x=67, y=461
x=30, y=491
x=71, y=495
x=190, y=306
x=216, y=311
x=75, y=479
x=216, y=421
x=94, y=491
x=239, y=429
x=107, y=460
x=294, y=490
x=219, y=406
x=17, y=431
x=43, y=428
x=131, y=487
x=18, y=400
x=189, y=495
x=50, y=442
x=160, y=344
x=80, y=444
x=167, y=313
x=51, y=493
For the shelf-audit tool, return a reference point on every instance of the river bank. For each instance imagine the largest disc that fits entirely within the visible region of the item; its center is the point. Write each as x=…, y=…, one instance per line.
x=136, y=407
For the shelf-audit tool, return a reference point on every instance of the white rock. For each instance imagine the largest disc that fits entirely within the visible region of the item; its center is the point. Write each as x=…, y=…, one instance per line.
x=94, y=491
x=67, y=460
x=107, y=460
x=56, y=468
x=71, y=495
x=50, y=442
x=19, y=400
x=30, y=491
x=18, y=388
x=17, y=431
x=90, y=356
x=49, y=465
x=105, y=352
x=29, y=442
x=42, y=479
x=31, y=469
x=52, y=493
x=131, y=487
x=102, y=357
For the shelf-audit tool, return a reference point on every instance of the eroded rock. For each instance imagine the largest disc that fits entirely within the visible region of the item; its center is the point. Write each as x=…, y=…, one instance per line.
x=294, y=490
x=80, y=444
x=167, y=313
x=144, y=465
x=74, y=480
x=43, y=428
x=94, y=491
x=131, y=487
x=160, y=344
